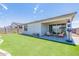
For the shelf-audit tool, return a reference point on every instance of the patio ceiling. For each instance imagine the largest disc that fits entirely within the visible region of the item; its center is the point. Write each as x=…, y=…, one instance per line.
x=59, y=19
x=55, y=22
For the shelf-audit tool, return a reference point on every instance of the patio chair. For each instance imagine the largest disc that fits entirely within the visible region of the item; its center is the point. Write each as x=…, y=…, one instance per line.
x=48, y=34
x=61, y=34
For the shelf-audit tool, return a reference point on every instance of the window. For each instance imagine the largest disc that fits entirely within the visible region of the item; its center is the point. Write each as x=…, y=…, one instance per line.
x=20, y=26
x=50, y=28
x=25, y=27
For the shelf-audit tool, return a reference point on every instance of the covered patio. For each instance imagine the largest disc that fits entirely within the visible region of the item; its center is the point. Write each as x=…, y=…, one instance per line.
x=56, y=29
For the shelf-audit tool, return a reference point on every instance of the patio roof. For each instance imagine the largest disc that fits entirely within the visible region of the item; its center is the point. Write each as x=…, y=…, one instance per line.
x=66, y=16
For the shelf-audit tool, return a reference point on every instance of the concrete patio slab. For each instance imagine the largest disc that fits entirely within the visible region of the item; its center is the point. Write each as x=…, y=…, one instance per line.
x=58, y=39
x=75, y=38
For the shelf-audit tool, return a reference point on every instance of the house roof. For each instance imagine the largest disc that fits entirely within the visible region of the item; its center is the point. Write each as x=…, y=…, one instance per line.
x=14, y=23
x=73, y=13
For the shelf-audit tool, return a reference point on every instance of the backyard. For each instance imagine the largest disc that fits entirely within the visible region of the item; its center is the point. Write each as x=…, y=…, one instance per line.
x=20, y=45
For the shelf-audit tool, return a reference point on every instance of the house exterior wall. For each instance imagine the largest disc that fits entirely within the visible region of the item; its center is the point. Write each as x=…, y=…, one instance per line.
x=37, y=28
x=33, y=28
x=44, y=28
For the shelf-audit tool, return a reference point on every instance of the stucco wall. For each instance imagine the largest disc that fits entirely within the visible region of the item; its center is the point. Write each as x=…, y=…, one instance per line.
x=44, y=28
x=33, y=28
x=36, y=28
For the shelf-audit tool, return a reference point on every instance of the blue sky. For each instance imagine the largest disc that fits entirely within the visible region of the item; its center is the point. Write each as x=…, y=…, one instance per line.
x=23, y=13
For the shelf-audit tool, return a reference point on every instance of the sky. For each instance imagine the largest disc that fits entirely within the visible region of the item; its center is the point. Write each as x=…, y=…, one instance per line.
x=27, y=12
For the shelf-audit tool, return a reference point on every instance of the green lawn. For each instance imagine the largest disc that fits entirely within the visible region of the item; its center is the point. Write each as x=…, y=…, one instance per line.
x=19, y=45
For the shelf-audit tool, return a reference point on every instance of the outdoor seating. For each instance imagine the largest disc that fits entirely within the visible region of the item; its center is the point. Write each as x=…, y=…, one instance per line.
x=61, y=34
x=48, y=34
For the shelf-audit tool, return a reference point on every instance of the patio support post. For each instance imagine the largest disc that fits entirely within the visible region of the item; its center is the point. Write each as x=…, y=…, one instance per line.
x=68, y=27
x=56, y=30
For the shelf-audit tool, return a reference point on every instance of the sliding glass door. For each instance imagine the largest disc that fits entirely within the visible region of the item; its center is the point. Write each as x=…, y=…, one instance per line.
x=57, y=28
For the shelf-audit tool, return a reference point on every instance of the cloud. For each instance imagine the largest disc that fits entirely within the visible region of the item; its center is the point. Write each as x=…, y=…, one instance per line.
x=36, y=9
x=3, y=6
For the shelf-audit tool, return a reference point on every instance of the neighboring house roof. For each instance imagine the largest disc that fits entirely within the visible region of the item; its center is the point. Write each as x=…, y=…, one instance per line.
x=14, y=23
x=52, y=18
x=76, y=31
